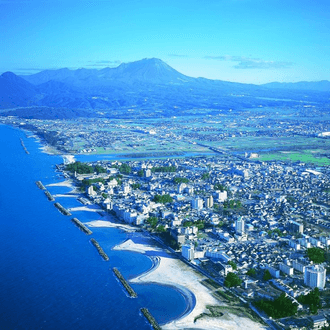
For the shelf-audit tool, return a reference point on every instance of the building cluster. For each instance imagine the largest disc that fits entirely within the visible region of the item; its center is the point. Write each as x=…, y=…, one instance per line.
x=253, y=215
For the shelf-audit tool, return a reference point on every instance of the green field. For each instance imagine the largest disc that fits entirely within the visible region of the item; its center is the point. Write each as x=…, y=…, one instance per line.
x=296, y=156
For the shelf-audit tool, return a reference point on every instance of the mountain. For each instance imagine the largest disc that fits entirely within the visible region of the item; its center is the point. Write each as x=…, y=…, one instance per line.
x=150, y=71
x=148, y=85
x=15, y=91
x=320, y=86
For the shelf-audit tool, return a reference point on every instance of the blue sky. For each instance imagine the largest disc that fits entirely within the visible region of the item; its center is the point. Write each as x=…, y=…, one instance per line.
x=252, y=41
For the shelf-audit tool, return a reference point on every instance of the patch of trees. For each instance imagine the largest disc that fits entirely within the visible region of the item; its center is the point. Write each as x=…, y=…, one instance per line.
x=232, y=264
x=267, y=276
x=178, y=180
x=163, y=199
x=199, y=224
x=232, y=204
x=232, y=280
x=99, y=169
x=316, y=255
x=88, y=182
x=118, y=178
x=152, y=221
x=164, y=169
x=125, y=169
x=275, y=231
x=136, y=185
x=277, y=308
x=251, y=272
x=80, y=168
x=205, y=176
x=312, y=299
x=160, y=229
x=140, y=173
x=221, y=187
x=169, y=240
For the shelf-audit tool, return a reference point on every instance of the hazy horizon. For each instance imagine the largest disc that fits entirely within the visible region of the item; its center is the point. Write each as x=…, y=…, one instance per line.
x=248, y=41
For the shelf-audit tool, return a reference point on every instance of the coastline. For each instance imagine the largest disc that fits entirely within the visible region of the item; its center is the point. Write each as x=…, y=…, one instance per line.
x=168, y=270
x=172, y=272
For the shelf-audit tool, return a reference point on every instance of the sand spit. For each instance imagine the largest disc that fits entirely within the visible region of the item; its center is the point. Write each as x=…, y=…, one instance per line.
x=108, y=224
x=66, y=195
x=89, y=208
x=67, y=183
x=68, y=159
x=172, y=271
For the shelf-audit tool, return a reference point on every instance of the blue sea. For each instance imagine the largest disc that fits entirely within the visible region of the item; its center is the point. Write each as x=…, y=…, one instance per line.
x=51, y=277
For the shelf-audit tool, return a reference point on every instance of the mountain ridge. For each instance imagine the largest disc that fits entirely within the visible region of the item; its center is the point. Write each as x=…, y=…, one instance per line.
x=148, y=84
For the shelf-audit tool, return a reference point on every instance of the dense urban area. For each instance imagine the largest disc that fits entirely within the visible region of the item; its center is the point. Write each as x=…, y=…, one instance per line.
x=243, y=197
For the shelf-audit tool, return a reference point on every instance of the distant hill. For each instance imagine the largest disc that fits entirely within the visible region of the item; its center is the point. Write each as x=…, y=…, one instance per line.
x=320, y=86
x=148, y=84
x=15, y=91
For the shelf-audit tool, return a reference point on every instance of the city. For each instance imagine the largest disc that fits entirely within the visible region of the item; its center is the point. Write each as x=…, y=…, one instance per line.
x=254, y=219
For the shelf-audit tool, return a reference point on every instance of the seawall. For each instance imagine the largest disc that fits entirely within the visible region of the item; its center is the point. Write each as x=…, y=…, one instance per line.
x=81, y=226
x=99, y=249
x=121, y=278
x=62, y=209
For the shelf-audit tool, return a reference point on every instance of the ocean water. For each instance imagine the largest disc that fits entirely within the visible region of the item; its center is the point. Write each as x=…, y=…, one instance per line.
x=51, y=277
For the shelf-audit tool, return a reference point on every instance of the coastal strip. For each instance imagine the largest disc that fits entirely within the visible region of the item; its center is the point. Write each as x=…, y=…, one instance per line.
x=62, y=209
x=49, y=196
x=99, y=249
x=121, y=278
x=24, y=147
x=150, y=318
x=40, y=185
x=81, y=226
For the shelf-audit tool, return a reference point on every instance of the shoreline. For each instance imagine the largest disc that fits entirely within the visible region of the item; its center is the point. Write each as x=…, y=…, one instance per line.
x=172, y=272
x=168, y=270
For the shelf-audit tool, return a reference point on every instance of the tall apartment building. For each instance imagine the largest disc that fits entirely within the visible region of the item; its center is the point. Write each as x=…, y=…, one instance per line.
x=296, y=227
x=240, y=226
x=315, y=276
x=197, y=203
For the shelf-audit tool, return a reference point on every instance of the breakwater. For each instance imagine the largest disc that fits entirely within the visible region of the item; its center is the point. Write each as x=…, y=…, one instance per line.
x=62, y=209
x=150, y=318
x=121, y=278
x=24, y=147
x=99, y=249
x=81, y=226
x=49, y=196
x=40, y=185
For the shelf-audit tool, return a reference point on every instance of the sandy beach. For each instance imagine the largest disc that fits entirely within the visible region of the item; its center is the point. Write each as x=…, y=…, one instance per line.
x=67, y=183
x=49, y=150
x=89, y=208
x=68, y=159
x=172, y=271
x=108, y=224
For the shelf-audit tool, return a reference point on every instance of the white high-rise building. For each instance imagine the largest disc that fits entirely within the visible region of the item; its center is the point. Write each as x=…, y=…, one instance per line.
x=220, y=196
x=91, y=191
x=315, y=276
x=239, y=226
x=181, y=187
x=197, y=203
x=208, y=201
x=147, y=173
x=188, y=252
x=126, y=188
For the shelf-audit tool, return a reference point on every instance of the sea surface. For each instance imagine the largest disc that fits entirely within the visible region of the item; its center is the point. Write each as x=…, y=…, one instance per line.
x=51, y=277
